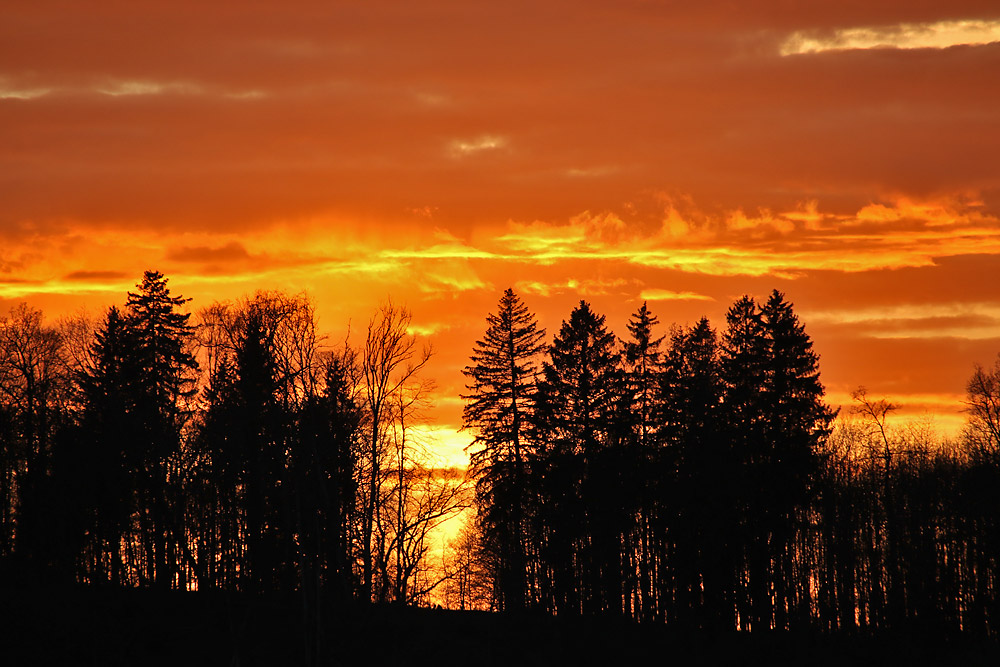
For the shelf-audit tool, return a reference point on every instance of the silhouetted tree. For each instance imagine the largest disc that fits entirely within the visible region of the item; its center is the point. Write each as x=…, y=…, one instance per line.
x=700, y=499
x=777, y=420
x=982, y=432
x=577, y=403
x=498, y=409
x=642, y=459
x=397, y=501
x=109, y=426
x=34, y=386
x=265, y=375
x=164, y=368
x=470, y=574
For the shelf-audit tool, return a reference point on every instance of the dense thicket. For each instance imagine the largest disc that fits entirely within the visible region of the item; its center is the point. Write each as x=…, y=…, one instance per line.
x=697, y=478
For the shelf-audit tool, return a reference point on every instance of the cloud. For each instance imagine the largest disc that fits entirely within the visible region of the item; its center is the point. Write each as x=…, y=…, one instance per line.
x=878, y=236
x=583, y=286
x=591, y=172
x=23, y=94
x=428, y=329
x=655, y=294
x=448, y=282
x=934, y=35
x=230, y=252
x=956, y=320
x=138, y=88
x=484, y=143
x=450, y=443
x=95, y=275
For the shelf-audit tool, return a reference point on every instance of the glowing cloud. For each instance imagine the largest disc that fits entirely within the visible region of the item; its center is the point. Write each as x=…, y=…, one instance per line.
x=900, y=234
x=655, y=294
x=585, y=287
x=23, y=93
x=487, y=142
x=135, y=88
x=966, y=321
x=937, y=35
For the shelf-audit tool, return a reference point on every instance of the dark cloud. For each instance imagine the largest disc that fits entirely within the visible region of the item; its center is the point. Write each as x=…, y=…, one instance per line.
x=231, y=252
x=95, y=275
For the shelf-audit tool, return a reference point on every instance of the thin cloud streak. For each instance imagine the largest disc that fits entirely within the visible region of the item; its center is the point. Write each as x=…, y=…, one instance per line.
x=936, y=35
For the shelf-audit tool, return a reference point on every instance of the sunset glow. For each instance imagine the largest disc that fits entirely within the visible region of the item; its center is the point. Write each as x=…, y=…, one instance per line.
x=441, y=152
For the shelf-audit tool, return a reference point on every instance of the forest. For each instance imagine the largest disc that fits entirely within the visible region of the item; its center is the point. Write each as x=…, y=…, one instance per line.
x=693, y=478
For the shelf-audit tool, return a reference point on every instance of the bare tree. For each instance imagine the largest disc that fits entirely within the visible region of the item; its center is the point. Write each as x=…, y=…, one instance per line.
x=390, y=364
x=469, y=582
x=33, y=389
x=288, y=329
x=982, y=431
x=875, y=413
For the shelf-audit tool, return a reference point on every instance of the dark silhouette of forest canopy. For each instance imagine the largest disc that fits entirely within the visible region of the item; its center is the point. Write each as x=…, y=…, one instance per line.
x=687, y=476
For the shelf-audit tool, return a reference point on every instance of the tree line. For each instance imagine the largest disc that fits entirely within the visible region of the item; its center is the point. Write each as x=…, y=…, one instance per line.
x=237, y=451
x=693, y=477
x=698, y=478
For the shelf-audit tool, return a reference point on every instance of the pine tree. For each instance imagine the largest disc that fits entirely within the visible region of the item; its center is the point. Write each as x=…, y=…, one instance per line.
x=162, y=336
x=700, y=501
x=799, y=421
x=642, y=359
x=164, y=379
x=110, y=427
x=776, y=420
x=133, y=411
x=581, y=385
x=638, y=417
x=498, y=407
x=578, y=402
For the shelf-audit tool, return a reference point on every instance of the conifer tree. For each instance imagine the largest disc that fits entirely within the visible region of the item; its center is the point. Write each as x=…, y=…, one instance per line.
x=642, y=359
x=109, y=428
x=132, y=414
x=580, y=386
x=798, y=421
x=501, y=385
x=638, y=417
x=164, y=377
x=701, y=520
x=776, y=419
x=577, y=408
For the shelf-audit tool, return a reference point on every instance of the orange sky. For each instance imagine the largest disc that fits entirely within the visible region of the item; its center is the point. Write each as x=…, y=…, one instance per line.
x=439, y=152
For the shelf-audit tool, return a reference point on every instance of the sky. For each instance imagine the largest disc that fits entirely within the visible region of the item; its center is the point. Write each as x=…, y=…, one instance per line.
x=435, y=153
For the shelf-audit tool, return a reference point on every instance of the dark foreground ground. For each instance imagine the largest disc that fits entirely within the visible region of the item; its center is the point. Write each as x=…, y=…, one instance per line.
x=87, y=627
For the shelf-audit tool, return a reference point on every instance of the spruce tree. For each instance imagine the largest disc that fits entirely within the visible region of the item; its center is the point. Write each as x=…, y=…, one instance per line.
x=641, y=466
x=501, y=386
x=109, y=428
x=132, y=410
x=776, y=420
x=700, y=499
x=581, y=385
x=577, y=412
x=165, y=377
x=642, y=359
x=798, y=421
